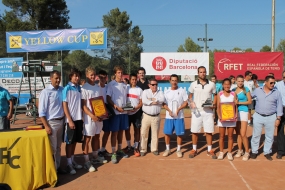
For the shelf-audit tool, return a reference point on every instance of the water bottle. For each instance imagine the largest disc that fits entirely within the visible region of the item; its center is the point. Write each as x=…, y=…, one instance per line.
x=174, y=108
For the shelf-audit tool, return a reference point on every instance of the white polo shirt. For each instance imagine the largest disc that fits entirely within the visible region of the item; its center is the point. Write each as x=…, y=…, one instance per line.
x=147, y=98
x=118, y=93
x=202, y=92
x=88, y=91
x=178, y=95
x=249, y=84
x=134, y=96
x=72, y=95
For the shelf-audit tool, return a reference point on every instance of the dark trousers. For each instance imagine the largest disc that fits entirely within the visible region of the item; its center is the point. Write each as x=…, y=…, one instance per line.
x=281, y=137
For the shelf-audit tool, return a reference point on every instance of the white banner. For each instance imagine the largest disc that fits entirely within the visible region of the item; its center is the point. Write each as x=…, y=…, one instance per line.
x=13, y=84
x=183, y=63
x=187, y=77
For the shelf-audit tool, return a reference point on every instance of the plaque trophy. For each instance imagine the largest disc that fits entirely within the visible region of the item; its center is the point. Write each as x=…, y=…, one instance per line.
x=208, y=103
x=128, y=106
x=174, y=108
x=228, y=111
x=98, y=107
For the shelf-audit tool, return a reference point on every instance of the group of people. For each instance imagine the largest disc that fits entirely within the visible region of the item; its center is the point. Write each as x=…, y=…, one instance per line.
x=67, y=115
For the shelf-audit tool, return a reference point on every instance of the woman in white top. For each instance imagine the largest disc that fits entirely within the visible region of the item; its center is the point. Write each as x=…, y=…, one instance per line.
x=225, y=96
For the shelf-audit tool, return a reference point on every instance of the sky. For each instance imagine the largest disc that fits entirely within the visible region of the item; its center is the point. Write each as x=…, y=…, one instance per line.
x=165, y=24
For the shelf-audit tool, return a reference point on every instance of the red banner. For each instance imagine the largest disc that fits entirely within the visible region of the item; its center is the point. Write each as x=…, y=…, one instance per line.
x=259, y=63
x=162, y=77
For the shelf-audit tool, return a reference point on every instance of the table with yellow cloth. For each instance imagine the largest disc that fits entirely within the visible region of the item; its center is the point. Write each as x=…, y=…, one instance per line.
x=26, y=160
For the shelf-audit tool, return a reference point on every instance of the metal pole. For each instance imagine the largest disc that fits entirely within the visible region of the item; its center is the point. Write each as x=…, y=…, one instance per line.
x=61, y=75
x=130, y=51
x=273, y=27
x=205, y=41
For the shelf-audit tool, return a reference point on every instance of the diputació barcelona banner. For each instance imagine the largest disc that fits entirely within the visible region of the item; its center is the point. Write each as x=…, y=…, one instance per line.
x=259, y=63
x=182, y=63
x=56, y=40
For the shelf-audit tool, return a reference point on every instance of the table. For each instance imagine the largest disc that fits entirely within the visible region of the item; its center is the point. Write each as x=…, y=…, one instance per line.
x=26, y=160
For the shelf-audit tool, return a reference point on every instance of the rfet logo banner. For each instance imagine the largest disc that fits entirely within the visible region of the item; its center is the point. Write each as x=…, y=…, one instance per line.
x=259, y=63
x=174, y=63
x=54, y=40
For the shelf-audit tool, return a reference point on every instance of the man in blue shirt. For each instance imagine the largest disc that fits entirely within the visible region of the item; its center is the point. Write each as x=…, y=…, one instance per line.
x=280, y=132
x=6, y=108
x=268, y=112
x=52, y=115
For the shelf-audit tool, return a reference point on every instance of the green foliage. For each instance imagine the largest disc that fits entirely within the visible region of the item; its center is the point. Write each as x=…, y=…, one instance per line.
x=248, y=50
x=212, y=61
x=265, y=48
x=189, y=46
x=31, y=15
x=124, y=40
x=281, y=46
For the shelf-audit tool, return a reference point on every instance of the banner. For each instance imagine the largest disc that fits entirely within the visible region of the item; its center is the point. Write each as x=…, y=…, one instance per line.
x=259, y=63
x=187, y=77
x=165, y=86
x=26, y=160
x=174, y=63
x=162, y=77
x=11, y=67
x=55, y=40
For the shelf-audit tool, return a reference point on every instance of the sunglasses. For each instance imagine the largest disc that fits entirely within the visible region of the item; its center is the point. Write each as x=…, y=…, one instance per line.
x=153, y=84
x=272, y=83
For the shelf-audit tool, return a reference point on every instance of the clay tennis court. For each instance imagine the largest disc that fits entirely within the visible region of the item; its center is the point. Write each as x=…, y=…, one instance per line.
x=157, y=172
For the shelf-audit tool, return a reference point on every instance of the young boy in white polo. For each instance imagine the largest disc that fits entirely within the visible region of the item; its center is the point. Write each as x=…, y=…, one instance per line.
x=135, y=116
x=175, y=102
x=117, y=98
x=71, y=95
x=92, y=124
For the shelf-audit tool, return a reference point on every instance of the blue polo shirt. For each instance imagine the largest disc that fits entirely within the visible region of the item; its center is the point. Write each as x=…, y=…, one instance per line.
x=4, y=104
x=241, y=96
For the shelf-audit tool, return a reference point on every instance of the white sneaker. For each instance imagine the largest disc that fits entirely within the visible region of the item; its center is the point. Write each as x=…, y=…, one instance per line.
x=239, y=153
x=70, y=169
x=166, y=153
x=230, y=156
x=76, y=166
x=221, y=156
x=245, y=156
x=179, y=154
x=89, y=167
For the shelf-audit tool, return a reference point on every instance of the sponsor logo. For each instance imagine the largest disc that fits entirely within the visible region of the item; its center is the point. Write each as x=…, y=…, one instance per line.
x=5, y=154
x=15, y=42
x=96, y=38
x=159, y=63
x=225, y=64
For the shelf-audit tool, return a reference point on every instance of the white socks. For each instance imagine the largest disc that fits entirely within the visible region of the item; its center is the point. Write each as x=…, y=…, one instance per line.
x=178, y=147
x=209, y=148
x=167, y=147
x=129, y=143
x=195, y=147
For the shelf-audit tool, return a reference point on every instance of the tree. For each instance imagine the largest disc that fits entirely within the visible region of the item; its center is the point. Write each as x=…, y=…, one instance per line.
x=265, y=48
x=32, y=15
x=189, y=46
x=248, y=50
x=212, y=61
x=281, y=46
x=124, y=40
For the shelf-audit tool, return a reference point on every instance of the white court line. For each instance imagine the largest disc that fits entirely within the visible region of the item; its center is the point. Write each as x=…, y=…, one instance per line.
x=246, y=184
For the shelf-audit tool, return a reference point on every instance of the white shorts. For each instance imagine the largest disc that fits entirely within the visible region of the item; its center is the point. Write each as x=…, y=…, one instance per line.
x=242, y=116
x=226, y=124
x=204, y=119
x=92, y=128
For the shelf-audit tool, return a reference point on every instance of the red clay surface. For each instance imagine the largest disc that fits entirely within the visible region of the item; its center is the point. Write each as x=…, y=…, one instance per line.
x=158, y=172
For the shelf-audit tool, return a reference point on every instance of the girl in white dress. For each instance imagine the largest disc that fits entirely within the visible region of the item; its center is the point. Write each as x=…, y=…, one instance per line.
x=225, y=96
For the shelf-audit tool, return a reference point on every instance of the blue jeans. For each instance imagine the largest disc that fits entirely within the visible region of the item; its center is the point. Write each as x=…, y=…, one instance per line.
x=268, y=123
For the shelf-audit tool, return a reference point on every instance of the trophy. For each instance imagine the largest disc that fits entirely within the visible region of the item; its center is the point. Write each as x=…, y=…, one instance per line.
x=193, y=108
x=128, y=106
x=208, y=103
x=174, y=108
